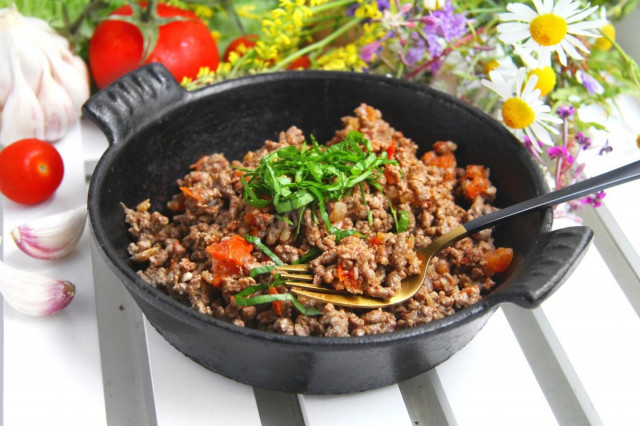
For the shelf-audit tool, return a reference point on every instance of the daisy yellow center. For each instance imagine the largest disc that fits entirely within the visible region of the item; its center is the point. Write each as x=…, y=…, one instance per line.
x=517, y=114
x=548, y=29
x=546, y=79
x=603, y=43
x=490, y=66
x=638, y=141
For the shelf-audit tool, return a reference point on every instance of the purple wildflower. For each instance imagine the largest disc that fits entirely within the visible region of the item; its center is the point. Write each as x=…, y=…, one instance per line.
x=351, y=9
x=589, y=83
x=383, y=5
x=566, y=111
x=560, y=152
x=528, y=143
x=583, y=140
x=416, y=51
x=594, y=199
x=606, y=148
x=445, y=23
x=442, y=24
x=369, y=50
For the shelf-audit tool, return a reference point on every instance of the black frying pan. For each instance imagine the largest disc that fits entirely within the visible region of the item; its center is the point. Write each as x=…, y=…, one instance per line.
x=156, y=130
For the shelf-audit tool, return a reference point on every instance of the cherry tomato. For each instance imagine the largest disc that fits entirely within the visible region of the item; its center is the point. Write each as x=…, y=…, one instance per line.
x=30, y=171
x=183, y=46
x=303, y=62
x=240, y=45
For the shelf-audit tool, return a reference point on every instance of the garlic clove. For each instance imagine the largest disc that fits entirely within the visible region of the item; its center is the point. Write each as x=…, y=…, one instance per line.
x=6, y=79
x=22, y=115
x=51, y=237
x=72, y=68
x=32, y=293
x=57, y=106
x=37, y=64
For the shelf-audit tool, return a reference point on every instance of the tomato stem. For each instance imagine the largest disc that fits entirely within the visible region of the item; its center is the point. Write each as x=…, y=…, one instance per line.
x=149, y=11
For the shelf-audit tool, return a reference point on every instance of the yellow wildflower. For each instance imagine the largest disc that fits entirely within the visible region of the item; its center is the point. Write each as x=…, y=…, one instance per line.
x=247, y=11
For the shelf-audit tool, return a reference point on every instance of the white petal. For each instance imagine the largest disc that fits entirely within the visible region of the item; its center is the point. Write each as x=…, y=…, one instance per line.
x=539, y=7
x=541, y=134
x=562, y=57
x=529, y=93
x=565, y=8
x=581, y=15
x=571, y=51
x=524, y=11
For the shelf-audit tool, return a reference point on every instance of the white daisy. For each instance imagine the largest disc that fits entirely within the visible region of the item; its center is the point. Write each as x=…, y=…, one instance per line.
x=550, y=28
x=522, y=110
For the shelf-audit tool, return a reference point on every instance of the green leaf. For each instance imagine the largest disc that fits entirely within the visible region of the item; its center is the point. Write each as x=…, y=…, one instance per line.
x=244, y=298
x=261, y=270
x=256, y=242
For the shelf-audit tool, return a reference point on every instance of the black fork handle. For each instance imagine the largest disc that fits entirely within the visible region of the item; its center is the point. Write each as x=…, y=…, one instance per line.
x=588, y=186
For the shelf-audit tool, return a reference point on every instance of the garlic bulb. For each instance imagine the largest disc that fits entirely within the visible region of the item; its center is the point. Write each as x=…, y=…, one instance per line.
x=32, y=293
x=42, y=83
x=51, y=237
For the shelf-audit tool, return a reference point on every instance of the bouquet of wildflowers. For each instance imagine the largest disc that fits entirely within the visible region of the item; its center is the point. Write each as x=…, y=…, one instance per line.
x=532, y=66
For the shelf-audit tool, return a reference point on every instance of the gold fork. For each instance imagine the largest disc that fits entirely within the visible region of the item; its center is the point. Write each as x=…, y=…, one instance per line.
x=300, y=277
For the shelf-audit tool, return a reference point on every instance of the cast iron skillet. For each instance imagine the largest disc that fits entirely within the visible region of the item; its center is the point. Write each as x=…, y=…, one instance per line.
x=156, y=130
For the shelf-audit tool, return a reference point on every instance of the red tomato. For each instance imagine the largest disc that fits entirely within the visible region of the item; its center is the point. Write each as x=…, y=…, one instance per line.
x=30, y=171
x=240, y=45
x=303, y=62
x=183, y=46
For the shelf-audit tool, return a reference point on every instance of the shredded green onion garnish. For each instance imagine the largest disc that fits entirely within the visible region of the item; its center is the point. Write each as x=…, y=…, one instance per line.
x=309, y=256
x=245, y=298
x=256, y=242
x=292, y=178
x=261, y=270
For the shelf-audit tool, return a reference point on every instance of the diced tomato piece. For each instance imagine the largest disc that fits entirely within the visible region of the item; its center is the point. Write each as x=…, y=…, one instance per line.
x=190, y=193
x=277, y=305
x=228, y=257
x=391, y=149
x=235, y=250
x=348, y=279
x=477, y=181
x=390, y=175
x=444, y=161
x=499, y=260
x=221, y=269
x=377, y=239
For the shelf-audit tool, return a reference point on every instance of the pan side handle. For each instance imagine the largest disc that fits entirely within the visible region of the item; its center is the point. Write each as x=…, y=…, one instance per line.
x=557, y=254
x=132, y=101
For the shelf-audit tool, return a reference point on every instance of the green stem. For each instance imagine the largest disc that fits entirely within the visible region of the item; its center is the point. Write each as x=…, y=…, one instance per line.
x=149, y=11
x=317, y=45
x=330, y=5
x=634, y=70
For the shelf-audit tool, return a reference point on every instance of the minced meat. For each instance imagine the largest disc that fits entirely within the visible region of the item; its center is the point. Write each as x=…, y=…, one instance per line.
x=432, y=190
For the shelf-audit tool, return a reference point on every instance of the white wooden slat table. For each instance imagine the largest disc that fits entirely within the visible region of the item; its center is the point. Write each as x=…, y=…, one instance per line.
x=572, y=361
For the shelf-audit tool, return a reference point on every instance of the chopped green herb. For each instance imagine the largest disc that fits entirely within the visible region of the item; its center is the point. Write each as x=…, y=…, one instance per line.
x=403, y=221
x=256, y=242
x=309, y=256
x=292, y=178
x=245, y=298
x=261, y=270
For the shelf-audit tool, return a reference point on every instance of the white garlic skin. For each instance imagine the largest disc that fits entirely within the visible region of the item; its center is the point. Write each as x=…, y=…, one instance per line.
x=33, y=293
x=51, y=237
x=42, y=83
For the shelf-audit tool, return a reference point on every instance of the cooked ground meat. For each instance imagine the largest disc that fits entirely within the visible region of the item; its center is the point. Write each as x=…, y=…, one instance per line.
x=176, y=253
